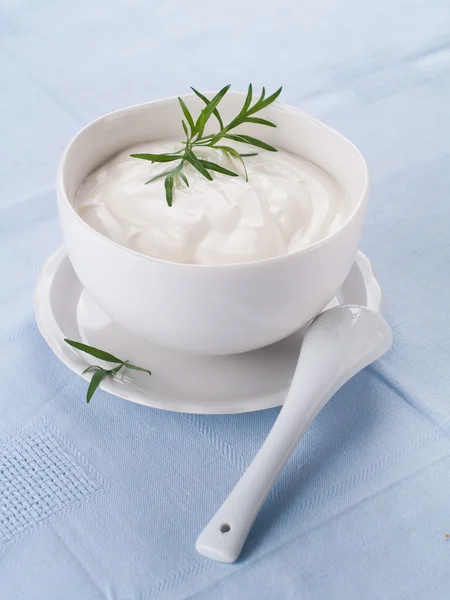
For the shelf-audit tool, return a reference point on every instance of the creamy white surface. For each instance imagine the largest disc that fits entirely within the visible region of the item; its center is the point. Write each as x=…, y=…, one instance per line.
x=287, y=204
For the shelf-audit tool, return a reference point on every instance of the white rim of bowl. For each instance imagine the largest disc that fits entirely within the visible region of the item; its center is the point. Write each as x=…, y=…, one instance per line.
x=62, y=191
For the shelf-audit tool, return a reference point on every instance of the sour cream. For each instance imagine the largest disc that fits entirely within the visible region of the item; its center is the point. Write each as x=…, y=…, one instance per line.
x=287, y=204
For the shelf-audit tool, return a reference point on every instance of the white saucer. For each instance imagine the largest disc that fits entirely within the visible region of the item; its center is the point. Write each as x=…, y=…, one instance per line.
x=180, y=382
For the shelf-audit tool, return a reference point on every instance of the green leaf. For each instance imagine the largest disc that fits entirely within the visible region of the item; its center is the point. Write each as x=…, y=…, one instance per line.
x=101, y=354
x=208, y=110
x=247, y=139
x=114, y=371
x=260, y=121
x=263, y=102
x=163, y=174
x=236, y=137
x=96, y=379
x=230, y=150
x=221, y=134
x=187, y=114
x=190, y=157
x=91, y=368
x=205, y=100
x=99, y=372
x=236, y=154
x=183, y=177
x=135, y=368
x=196, y=138
x=243, y=115
x=248, y=100
x=273, y=97
x=157, y=157
x=215, y=167
x=168, y=184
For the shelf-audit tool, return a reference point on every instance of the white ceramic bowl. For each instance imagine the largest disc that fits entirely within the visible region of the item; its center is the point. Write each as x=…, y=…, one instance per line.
x=210, y=309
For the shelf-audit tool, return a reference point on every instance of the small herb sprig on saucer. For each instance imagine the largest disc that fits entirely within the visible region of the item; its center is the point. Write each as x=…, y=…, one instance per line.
x=194, y=138
x=99, y=372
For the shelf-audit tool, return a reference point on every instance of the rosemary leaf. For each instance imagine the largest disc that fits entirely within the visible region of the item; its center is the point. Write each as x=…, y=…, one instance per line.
x=235, y=154
x=168, y=185
x=195, y=162
x=248, y=100
x=183, y=177
x=99, y=372
x=260, y=121
x=101, y=354
x=157, y=157
x=247, y=139
x=96, y=380
x=208, y=111
x=135, y=368
x=187, y=114
x=215, y=167
x=195, y=138
x=90, y=368
x=159, y=176
x=205, y=100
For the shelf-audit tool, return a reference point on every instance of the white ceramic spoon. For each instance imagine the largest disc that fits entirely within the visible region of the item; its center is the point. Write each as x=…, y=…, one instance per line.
x=338, y=343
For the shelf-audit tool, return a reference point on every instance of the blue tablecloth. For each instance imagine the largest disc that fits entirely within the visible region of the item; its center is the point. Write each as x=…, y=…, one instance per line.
x=105, y=501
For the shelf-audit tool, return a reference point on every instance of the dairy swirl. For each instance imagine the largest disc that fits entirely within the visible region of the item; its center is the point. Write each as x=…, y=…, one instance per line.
x=287, y=204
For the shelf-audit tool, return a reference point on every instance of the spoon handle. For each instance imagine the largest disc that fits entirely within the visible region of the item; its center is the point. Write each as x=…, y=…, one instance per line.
x=334, y=349
x=338, y=344
x=224, y=536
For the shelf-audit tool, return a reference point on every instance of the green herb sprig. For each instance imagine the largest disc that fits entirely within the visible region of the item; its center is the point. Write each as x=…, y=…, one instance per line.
x=194, y=138
x=99, y=372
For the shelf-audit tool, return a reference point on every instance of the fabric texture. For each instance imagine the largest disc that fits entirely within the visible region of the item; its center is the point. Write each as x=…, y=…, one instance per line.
x=105, y=501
